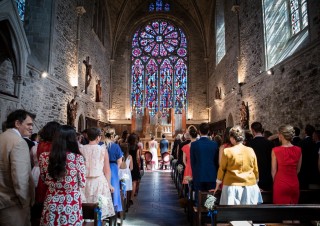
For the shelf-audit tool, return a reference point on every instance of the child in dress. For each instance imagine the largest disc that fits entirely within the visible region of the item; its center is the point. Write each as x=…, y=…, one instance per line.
x=125, y=171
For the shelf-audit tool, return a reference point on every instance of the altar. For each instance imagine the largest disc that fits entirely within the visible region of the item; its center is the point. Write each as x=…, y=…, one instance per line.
x=148, y=126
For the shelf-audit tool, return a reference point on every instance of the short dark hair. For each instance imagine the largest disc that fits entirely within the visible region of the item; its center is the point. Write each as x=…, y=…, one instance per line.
x=204, y=128
x=93, y=133
x=19, y=115
x=309, y=130
x=257, y=127
x=108, y=135
x=296, y=131
x=193, y=132
x=48, y=131
x=163, y=136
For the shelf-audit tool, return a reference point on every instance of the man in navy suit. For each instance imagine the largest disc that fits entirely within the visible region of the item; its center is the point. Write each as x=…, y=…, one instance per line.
x=204, y=161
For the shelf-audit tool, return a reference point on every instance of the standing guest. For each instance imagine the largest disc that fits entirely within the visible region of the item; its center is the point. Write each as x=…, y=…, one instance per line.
x=46, y=135
x=135, y=172
x=98, y=173
x=204, y=160
x=186, y=140
x=187, y=175
x=16, y=185
x=115, y=159
x=315, y=159
x=125, y=172
x=124, y=137
x=153, y=148
x=238, y=172
x=140, y=163
x=176, y=143
x=286, y=164
x=307, y=147
x=226, y=142
x=262, y=148
x=296, y=140
x=63, y=171
x=164, y=146
x=84, y=140
x=217, y=138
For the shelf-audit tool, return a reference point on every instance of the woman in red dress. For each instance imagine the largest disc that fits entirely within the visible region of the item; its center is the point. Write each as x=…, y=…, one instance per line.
x=187, y=175
x=286, y=164
x=63, y=171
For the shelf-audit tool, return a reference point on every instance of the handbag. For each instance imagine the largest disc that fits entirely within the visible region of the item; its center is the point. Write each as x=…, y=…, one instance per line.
x=123, y=164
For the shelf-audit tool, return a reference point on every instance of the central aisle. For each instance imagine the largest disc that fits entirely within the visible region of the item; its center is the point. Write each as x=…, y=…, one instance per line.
x=157, y=203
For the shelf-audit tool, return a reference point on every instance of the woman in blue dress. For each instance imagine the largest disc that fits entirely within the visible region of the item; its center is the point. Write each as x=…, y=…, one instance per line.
x=115, y=159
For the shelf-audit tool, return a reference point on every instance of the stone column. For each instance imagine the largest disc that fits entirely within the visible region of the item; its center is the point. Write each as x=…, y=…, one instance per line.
x=184, y=122
x=173, y=121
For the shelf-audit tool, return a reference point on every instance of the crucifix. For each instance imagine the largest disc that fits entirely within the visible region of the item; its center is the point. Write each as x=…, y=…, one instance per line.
x=88, y=75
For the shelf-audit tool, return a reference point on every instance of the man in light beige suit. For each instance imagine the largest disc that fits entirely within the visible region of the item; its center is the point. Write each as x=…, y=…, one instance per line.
x=16, y=184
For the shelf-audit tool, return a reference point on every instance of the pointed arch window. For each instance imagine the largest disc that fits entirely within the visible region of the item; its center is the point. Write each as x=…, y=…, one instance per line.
x=159, y=68
x=159, y=6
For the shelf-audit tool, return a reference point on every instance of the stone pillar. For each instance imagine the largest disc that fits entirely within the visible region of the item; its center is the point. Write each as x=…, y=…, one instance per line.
x=184, y=122
x=133, y=121
x=146, y=123
x=173, y=121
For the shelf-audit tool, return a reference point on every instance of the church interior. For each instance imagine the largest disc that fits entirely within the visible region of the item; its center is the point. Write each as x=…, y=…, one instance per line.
x=154, y=67
x=161, y=65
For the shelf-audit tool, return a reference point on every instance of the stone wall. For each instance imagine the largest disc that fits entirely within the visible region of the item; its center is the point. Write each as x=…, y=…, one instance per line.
x=52, y=37
x=290, y=95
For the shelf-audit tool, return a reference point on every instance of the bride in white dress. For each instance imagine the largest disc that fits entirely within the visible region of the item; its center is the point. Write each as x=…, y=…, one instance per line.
x=153, y=148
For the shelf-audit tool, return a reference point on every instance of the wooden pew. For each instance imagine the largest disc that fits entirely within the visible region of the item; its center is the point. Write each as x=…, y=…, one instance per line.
x=88, y=210
x=267, y=213
x=306, y=211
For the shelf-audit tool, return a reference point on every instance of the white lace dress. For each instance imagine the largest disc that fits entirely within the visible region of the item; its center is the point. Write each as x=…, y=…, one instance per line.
x=126, y=173
x=153, y=148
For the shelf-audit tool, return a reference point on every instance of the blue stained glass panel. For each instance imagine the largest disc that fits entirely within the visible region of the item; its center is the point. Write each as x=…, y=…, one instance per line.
x=21, y=8
x=137, y=89
x=180, y=86
x=166, y=77
x=152, y=87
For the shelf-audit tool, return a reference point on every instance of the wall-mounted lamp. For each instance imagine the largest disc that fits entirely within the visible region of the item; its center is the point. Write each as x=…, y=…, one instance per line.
x=270, y=71
x=44, y=74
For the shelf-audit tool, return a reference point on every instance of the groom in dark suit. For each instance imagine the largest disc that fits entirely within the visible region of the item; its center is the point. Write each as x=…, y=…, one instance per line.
x=204, y=161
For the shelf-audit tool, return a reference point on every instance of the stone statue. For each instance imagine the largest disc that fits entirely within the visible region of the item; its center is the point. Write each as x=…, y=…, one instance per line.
x=98, y=91
x=72, y=108
x=244, y=116
x=218, y=93
x=88, y=76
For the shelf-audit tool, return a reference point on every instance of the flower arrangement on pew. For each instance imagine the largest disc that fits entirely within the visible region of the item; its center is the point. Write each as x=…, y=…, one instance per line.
x=210, y=204
x=123, y=184
x=180, y=168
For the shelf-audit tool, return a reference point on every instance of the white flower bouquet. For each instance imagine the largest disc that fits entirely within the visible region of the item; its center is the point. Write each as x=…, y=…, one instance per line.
x=210, y=204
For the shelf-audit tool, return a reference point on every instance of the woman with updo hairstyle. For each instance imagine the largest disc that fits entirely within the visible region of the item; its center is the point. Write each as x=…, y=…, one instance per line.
x=238, y=171
x=286, y=163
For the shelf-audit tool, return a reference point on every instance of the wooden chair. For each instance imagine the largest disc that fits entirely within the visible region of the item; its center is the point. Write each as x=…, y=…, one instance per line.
x=165, y=161
x=88, y=210
x=148, y=159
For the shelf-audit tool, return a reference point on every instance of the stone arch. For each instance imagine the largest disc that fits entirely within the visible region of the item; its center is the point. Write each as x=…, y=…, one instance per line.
x=14, y=42
x=230, y=120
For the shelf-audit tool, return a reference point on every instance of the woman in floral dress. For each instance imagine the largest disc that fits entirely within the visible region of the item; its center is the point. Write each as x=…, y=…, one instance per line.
x=63, y=171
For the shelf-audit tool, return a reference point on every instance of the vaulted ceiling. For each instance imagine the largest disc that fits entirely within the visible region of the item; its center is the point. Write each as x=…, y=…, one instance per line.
x=124, y=12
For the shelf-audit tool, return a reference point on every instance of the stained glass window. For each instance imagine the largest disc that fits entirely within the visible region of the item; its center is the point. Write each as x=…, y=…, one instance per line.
x=299, y=16
x=220, y=31
x=21, y=8
x=158, y=5
x=159, y=68
x=284, y=22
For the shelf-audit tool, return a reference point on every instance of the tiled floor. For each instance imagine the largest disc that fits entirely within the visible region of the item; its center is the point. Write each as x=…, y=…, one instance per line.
x=157, y=203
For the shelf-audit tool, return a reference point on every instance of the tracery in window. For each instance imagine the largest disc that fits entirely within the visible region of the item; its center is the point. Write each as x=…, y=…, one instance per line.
x=159, y=68
x=158, y=6
x=284, y=23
